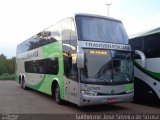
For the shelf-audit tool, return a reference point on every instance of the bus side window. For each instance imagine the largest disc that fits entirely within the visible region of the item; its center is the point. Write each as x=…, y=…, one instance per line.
x=66, y=65
x=69, y=45
x=137, y=44
x=73, y=52
x=43, y=66
x=54, y=68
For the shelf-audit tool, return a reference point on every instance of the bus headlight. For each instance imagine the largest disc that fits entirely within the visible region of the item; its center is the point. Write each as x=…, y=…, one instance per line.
x=86, y=92
x=130, y=91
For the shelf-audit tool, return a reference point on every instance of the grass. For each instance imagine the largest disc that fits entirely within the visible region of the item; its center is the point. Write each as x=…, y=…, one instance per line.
x=7, y=76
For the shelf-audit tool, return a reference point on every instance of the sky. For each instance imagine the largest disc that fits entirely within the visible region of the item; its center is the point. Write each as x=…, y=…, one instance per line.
x=21, y=19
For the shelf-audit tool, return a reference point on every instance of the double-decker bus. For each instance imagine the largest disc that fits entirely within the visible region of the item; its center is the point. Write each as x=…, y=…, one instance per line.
x=147, y=80
x=84, y=59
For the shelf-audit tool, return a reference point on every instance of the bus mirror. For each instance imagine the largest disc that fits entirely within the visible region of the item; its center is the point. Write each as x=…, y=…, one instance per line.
x=80, y=58
x=143, y=57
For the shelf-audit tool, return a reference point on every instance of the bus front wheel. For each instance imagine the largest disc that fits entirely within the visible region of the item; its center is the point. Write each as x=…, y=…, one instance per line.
x=57, y=95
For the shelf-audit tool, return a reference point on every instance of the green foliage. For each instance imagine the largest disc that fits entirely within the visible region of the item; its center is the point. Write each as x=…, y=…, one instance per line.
x=10, y=64
x=2, y=57
x=7, y=76
x=7, y=67
x=3, y=67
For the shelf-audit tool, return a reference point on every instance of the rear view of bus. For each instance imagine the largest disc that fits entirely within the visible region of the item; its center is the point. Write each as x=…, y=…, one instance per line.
x=104, y=61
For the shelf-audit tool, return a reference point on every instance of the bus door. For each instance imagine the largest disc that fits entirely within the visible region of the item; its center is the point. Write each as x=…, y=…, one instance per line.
x=71, y=83
x=69, y=44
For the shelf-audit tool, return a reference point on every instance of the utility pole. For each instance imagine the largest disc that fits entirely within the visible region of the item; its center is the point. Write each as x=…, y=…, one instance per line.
x=108, y=4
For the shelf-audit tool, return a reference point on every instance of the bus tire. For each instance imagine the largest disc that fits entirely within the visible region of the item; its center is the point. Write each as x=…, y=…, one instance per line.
x=19, y=79
x=57, y=95
x=23, y=83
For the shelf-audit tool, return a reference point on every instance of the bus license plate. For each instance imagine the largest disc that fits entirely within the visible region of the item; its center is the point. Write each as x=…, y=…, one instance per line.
x=112, y=100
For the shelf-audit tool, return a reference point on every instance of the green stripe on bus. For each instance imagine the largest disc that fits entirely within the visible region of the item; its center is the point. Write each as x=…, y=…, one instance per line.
x=129, y=87
x=38, y=85
x=153, y=75
x=55, y=50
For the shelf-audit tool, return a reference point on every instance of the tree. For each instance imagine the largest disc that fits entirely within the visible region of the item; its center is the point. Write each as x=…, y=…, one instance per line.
x=3, y=68
x=7, y=65
x=10, y=65
x=2, y=57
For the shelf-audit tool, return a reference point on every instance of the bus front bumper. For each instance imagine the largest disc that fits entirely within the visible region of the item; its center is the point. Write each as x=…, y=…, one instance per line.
x=97, y=100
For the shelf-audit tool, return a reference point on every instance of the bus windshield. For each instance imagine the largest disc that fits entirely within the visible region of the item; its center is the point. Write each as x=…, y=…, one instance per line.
x=122, y=66
x=107, y=66
x=100, y=29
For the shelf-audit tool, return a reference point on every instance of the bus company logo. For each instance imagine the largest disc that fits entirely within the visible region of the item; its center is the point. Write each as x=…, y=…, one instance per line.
x=86, y=87
x=107, y=46
x=30, y=55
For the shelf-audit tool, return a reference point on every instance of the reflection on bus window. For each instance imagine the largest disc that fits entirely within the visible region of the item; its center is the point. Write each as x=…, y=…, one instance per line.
x=43, y=66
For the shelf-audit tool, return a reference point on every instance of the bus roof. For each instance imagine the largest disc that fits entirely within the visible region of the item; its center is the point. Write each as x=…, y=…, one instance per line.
x=98, y=16
x=146, y=33
x=80, y=14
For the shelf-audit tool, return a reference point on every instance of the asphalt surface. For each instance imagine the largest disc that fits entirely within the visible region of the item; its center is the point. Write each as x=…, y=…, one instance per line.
x=15, y=100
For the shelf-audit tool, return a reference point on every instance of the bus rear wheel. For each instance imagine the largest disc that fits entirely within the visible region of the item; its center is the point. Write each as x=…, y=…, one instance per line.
x=57, y=95
x=23, y=84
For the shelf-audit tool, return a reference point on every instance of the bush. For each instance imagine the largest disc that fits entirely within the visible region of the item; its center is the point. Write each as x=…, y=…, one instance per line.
x=7, y=76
